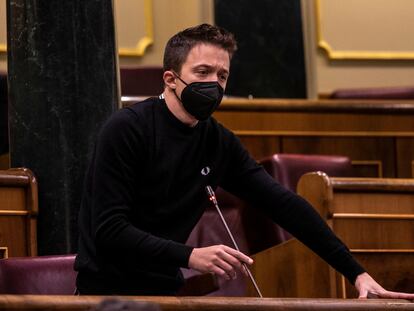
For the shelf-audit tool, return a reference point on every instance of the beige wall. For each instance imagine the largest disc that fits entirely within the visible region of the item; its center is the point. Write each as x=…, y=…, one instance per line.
x=355, y=25
x=3, y=62
x=169, y=16
x=365, y=34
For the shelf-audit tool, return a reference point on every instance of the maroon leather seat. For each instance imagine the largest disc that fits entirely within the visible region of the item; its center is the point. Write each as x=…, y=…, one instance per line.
x=288, y=168
x=374, y=93
x=211, y=231
x=141, y=81
x=42, y=275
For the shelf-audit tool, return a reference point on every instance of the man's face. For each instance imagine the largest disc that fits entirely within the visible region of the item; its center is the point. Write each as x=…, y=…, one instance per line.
x=205, y=63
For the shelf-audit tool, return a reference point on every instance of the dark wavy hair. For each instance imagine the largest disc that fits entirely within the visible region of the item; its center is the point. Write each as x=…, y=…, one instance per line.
x=179, y=45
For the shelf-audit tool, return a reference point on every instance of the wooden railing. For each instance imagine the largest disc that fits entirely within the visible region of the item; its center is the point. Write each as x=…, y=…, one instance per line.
x=18, y=213
x=374, y=218
x=27, y=302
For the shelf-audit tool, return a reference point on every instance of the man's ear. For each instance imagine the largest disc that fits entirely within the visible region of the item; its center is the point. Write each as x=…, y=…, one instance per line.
x=169, y=79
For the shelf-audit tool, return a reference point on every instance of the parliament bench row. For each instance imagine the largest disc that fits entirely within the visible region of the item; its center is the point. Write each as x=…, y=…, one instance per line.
x=376, y=231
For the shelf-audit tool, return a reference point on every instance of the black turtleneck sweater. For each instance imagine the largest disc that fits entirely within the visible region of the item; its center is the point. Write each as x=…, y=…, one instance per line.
x=144, y=193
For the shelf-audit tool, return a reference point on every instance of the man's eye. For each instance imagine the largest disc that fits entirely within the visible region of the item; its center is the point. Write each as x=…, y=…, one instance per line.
x=223, y=77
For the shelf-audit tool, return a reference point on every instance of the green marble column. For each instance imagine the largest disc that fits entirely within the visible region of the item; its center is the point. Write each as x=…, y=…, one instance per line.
x=62, y=75
x=270, y=61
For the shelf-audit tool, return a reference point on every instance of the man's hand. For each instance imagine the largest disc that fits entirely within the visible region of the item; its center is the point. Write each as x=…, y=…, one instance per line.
x=219, y=259
x=369, y=288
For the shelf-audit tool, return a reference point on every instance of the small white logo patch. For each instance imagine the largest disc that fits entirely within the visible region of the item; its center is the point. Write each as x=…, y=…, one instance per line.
x=205, y=171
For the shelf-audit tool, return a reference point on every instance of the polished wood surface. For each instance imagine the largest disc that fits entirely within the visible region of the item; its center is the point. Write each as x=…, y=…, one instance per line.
x=377, y=135
x=28, y=302
x=18, y=212
x=364, y=212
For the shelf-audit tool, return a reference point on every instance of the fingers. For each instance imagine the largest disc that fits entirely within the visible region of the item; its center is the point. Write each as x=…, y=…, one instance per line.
x=220, y=272
x=228, y=269
x=369, y=288
x=239, y=255
x=233, y=261
x=396, y=295
x=219, y=259
x=237, y=259
x=363, y=294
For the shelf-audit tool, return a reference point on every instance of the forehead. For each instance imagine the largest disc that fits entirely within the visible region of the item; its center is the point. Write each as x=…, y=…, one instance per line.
x=208, y=54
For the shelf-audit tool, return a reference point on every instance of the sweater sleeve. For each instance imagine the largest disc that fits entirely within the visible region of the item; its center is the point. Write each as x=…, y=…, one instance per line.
x=120, y=156
x=248, y=180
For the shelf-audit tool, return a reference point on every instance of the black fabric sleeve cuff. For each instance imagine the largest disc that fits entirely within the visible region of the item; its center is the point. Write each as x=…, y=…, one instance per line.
x=179, y=253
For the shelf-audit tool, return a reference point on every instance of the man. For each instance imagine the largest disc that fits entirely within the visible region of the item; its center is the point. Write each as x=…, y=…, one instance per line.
x=145, y=185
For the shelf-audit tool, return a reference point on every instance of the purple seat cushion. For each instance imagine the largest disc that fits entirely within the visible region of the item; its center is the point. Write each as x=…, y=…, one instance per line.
x=42, y=275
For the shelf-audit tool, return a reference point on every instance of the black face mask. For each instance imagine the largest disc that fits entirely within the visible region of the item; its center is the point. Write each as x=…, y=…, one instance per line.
x=201, y=99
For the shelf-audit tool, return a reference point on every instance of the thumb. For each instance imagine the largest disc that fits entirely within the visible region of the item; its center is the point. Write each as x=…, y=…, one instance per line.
x=363, y=293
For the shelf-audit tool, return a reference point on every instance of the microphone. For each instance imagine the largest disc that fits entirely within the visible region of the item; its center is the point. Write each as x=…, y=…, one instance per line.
x=212, y=197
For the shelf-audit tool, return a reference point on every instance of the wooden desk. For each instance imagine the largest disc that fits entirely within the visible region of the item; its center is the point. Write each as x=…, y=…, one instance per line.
x=374, y=218
x=30, y=302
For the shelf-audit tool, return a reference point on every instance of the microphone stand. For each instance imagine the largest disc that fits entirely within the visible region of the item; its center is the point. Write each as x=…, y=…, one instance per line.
x=212, y=197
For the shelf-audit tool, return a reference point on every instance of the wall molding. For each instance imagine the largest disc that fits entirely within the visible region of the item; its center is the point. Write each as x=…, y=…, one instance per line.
x=148, y=39
x=352, y=54
x=142, y=44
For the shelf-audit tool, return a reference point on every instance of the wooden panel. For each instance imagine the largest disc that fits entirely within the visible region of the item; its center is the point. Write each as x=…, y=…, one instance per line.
x=12, y=198
x=18, y=211
x=263, y=147
x=13, y=235
x=357, y=148
x=313, y=121
x=368, y=168
x=362, y=130
x=44, y=302
x=284, y=271
x=373, y=202
x=375, y=218
x=405, y=156
x=395, y=269
x=375, y=233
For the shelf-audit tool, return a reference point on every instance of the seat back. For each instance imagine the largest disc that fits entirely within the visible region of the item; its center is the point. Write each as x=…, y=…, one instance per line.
x=375, y=93
x=141, y=81
x=211, y=231
x=288, y=168
x=42, y=275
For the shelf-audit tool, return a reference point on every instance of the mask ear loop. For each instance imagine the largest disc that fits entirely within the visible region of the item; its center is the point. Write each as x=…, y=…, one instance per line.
x=175, y=93
x=179, y=78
